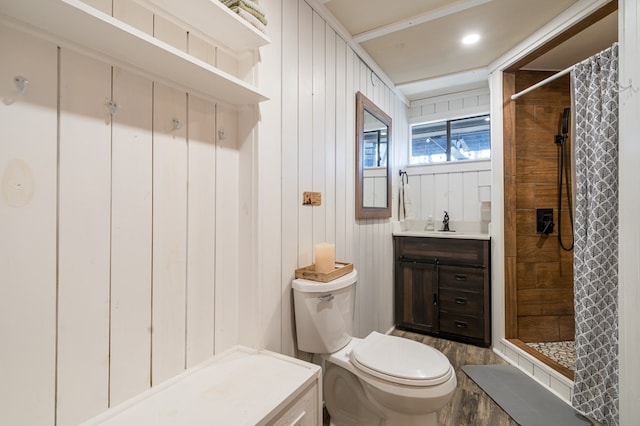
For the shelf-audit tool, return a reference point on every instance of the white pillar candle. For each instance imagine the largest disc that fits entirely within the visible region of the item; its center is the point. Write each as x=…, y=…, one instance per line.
x=325, y=257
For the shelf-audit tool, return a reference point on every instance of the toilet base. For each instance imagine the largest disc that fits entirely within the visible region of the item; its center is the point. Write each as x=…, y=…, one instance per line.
x=349, y=404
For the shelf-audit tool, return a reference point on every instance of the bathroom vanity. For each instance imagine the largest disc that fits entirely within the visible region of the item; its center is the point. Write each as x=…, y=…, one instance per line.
x=442, y=285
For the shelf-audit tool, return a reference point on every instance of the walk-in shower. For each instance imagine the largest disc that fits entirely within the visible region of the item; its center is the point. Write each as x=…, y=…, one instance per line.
x=538, y=188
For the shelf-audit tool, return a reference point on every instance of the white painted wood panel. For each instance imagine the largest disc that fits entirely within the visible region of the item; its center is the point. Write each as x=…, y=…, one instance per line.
x=203, y=50
x=102, y=5
x=270, y=141
x=84, y=238
x=305, y=132
x=329, y=197
x=227, y=224
x=318, y=129
x=289, y=157
x=201, y=230
x=341, y=147
x=629, y=240
x=169, y=32
x=249, y=290
x=28, y=178
x=131, y=236
x=470, y=204
x=132, y=13
x=455, y=196
x=169, y=232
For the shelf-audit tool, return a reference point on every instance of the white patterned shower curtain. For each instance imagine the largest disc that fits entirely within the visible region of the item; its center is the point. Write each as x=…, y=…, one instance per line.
x=595, y=82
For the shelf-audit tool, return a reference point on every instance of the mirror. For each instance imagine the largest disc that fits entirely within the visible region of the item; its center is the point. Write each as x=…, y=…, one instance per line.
x=373, y=163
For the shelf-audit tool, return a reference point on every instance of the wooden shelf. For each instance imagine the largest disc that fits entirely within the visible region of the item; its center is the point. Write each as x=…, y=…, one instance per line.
x=73, y=23
x=215, y=20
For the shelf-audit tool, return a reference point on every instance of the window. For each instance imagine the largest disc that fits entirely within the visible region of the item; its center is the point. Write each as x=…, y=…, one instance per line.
x=452, y=140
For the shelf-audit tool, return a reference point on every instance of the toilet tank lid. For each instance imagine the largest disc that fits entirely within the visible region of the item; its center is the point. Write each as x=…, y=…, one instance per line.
x=308, y=286
x=407, y=361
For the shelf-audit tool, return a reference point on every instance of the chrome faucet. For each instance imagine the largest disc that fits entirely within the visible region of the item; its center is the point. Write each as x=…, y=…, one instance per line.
x=445, y=222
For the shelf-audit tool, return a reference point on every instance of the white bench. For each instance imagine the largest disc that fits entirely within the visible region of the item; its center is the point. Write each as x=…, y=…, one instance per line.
x=241, y=386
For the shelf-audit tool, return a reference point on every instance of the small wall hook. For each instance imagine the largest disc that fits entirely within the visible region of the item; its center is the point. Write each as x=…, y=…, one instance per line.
x=176, y=124
x=21, y=83
x=113, y=107
x=221, y=134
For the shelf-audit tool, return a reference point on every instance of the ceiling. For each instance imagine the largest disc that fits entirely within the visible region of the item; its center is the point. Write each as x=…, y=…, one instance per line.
x=417, y=43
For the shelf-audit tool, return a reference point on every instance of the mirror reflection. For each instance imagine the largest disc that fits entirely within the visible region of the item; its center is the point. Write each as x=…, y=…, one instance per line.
x=374, y=192
x=373, y=178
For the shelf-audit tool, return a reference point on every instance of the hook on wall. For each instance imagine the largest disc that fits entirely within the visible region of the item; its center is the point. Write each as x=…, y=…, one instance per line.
x=113, y=107
x=176, y=124
x=21, y=84
x=622, y=88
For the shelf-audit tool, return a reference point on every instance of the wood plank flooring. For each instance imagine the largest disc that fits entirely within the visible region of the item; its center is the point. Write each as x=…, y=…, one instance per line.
x=470, y=405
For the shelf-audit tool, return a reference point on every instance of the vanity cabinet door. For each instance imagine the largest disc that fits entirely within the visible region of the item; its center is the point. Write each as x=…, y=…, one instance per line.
x=442, y=287
x=417, y=296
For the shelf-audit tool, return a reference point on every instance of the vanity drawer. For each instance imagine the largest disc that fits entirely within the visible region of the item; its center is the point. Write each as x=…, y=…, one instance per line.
x=462, y=325
x=455, y=277
x=445, y=250
x=466, y=302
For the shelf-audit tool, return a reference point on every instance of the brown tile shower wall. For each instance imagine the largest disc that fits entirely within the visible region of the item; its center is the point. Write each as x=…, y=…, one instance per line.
x=544, y=272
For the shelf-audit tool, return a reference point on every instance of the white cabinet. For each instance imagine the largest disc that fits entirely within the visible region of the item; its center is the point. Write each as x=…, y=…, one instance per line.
x=75, y=24
x=239, y=387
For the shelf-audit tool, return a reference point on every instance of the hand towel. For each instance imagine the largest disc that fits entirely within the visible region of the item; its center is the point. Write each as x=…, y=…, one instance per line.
x=405, y=208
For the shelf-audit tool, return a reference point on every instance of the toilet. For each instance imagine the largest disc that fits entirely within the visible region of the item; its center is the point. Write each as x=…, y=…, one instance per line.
x=379, y=379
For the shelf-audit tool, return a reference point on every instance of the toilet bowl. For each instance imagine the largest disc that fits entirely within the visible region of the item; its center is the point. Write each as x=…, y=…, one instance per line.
x=380, y=379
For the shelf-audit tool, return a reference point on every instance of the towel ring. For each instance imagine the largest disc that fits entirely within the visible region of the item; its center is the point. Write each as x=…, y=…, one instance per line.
x=403, y=175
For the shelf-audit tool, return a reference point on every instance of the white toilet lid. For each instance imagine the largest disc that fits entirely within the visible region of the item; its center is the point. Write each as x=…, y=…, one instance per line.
x=401, y=360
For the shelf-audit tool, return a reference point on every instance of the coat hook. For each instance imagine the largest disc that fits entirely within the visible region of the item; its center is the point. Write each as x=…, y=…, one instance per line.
x=113, y=107
x=176, y=124
x=21, y=83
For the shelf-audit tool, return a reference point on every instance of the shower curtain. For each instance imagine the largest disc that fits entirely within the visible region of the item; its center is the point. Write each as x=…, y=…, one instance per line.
x=595, y=82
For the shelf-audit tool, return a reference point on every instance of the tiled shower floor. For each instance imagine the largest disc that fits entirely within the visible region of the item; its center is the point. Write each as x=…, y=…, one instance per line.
x=562, y=352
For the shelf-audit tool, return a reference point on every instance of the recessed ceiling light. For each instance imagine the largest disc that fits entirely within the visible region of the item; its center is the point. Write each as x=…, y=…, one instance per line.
x=471, y=39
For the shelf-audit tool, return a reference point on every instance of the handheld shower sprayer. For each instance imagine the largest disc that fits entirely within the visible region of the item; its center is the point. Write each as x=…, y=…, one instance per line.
x=563, y=167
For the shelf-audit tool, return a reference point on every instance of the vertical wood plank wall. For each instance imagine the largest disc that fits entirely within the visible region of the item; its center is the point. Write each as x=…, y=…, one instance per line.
x=544, y=272
x=320, y=75
x=117, y=231
x=28, y=237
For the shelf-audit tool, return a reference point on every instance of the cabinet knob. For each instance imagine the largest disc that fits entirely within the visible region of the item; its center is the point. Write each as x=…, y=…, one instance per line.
x=461, y=277
x=461, y=324
x=461, y=301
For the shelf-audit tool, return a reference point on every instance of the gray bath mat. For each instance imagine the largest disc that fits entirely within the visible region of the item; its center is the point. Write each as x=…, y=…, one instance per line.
x=524, y=399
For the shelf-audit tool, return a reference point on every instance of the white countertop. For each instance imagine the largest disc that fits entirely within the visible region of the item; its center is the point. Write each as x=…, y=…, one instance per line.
x=459, y=230
x=440, y=234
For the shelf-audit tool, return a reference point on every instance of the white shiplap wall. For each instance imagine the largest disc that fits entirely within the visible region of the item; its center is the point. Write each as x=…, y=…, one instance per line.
x=314, y=76
x=455, y=187
x=120, y=234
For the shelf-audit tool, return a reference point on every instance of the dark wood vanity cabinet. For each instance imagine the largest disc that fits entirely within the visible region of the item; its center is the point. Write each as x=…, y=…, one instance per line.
x=442, y=287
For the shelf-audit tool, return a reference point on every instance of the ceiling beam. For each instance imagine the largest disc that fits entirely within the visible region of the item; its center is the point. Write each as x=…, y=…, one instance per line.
x=441, y=12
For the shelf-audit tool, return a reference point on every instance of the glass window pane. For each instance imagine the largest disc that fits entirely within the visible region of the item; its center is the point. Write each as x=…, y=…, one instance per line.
x=470, y=139
x=429, y=143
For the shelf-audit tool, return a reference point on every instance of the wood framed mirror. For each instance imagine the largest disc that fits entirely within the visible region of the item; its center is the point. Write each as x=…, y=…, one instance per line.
x=373, y=162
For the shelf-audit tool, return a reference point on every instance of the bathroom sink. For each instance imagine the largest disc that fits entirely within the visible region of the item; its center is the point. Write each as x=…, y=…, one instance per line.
x=443, y=234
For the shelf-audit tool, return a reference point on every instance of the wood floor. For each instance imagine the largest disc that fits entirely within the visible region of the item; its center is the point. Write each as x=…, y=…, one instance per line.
x=470, y=405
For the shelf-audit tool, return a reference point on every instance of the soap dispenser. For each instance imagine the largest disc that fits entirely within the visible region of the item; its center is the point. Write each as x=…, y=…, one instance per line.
x=430, y=226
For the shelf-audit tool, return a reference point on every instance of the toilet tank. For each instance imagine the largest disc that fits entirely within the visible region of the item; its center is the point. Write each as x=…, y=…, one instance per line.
x=324, y=313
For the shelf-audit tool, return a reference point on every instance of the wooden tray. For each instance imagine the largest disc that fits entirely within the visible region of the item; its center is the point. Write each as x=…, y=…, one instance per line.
x=309, y=272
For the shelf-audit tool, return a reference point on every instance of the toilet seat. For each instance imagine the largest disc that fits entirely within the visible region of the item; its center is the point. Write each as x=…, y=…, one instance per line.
x=401, y=361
